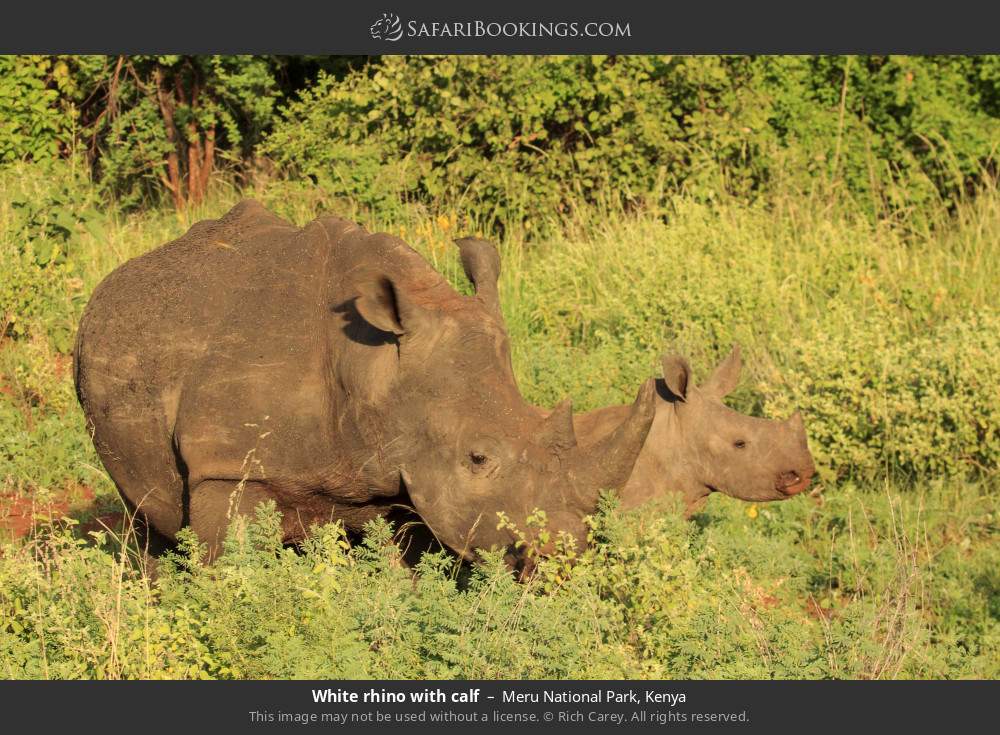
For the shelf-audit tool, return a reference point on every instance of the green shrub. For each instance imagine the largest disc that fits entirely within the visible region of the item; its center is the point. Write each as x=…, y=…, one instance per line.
x=519, y=140
x=524, y=140
x=50, y=211
x=44, y=443
x=880, y=400
x=861, y=586
x=36, y=122
x=161, y=125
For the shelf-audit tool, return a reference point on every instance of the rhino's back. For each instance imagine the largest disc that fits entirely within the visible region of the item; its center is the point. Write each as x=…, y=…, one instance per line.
x=197, y=328
x=149, y=302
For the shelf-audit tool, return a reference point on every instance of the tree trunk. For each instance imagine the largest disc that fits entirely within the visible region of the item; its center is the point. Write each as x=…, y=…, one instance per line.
x=191, y=160
x=194, y=164
x=208, y=160
x=173, y=180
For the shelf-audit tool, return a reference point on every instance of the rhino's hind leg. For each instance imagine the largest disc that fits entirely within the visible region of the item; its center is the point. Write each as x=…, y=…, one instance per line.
x=214, y=503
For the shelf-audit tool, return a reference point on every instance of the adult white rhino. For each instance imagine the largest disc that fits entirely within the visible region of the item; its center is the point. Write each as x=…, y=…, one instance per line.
x=334, y=372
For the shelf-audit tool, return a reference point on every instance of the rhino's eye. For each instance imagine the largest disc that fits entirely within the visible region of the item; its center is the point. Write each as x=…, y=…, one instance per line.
x=479, y=463
x=483, y=457
x=740, y=444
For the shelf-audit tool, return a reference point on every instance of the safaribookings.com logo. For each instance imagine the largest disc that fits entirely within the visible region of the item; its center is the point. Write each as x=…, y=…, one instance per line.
x=390, y=28
x=387, y=28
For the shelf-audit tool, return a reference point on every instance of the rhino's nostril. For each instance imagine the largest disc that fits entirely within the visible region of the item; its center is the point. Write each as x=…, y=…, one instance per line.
x=788, y=478
x=791, y=482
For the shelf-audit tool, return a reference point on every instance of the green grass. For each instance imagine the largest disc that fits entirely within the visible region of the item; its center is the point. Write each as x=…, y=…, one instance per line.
x=885, y=334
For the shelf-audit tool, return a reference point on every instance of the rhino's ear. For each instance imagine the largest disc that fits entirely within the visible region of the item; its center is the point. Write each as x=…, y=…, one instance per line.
x=385, y=306
x=677, y=375
x=481, y=262
x=726, y=376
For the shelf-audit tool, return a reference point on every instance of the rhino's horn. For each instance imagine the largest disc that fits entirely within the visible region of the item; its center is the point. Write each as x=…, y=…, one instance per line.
x=556, y=432
x=796, y=422
x=611, y=460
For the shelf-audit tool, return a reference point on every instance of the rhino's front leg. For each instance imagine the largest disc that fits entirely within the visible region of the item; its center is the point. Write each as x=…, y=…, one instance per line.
x=214, y=503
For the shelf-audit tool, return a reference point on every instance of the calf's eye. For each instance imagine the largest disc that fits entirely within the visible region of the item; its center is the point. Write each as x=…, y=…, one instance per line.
x=740, y=444
x=477, y=458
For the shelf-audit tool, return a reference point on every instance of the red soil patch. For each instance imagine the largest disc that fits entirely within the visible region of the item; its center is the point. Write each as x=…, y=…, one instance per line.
x=19, y=514
x=62, y=364
x=817, y=611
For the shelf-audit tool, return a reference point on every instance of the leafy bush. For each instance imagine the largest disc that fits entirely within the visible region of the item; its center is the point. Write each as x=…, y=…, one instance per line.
x=518, y=140
x=34, y=121
x=522, y=140
x=44, y=445
x=787, y=593
x=164, y=123
x=50, y=211
x=151, y=126
x=880, y=400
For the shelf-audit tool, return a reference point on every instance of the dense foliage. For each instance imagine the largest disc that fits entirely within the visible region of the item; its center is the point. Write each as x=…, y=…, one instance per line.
x=856, y=588
x=515, y=137
x=35, y=122
x=163, y=121
x=150, y=126
x=510, y=139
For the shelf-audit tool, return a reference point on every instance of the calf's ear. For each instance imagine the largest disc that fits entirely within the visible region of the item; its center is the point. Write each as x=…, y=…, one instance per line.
x=677, y=375
x=726, y=376
x=386, y=306
x=481, y=263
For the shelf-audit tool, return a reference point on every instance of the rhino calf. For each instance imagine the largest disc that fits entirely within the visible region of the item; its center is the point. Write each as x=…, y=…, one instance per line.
x=697, y=445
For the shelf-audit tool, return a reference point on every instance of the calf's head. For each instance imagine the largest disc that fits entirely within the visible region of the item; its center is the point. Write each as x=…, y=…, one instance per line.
x=466, y=444
x=714, y=448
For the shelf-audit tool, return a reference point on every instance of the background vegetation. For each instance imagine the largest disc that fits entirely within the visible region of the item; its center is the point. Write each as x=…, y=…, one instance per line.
x=839, y=217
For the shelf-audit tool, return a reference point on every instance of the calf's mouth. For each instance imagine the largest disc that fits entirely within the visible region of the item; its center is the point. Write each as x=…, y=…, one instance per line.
x=792, y=482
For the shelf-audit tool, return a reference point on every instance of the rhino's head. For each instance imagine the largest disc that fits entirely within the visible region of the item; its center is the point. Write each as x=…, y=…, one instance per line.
x=466, y=444
x=703, y=446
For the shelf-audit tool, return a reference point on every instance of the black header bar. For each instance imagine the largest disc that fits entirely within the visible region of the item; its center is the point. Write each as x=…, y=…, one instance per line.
x=509, y=27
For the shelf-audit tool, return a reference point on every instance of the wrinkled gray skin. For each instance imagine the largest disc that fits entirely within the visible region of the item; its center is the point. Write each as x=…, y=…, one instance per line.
x=698, y=446
x=334, y=372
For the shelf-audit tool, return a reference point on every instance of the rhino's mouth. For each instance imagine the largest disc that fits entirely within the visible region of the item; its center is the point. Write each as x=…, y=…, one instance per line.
x=792, y=483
